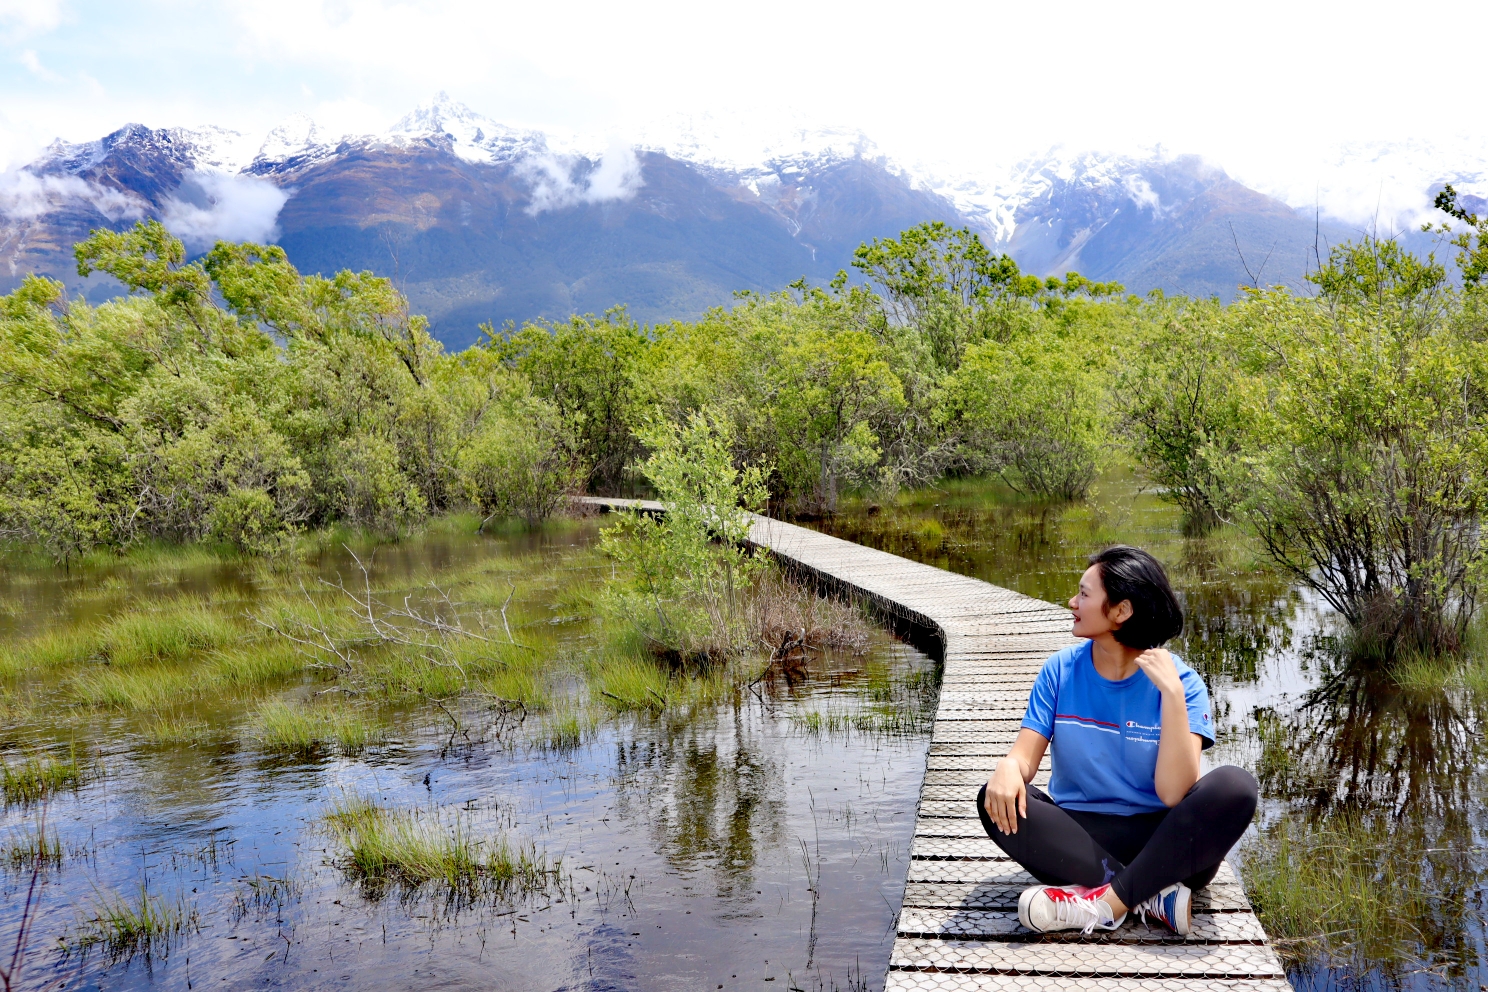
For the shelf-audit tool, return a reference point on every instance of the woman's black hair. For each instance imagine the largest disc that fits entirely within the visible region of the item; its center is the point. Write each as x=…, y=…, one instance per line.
x=1133, y=574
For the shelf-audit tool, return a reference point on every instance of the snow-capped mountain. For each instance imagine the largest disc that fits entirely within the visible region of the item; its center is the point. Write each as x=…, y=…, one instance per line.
x=480, y=220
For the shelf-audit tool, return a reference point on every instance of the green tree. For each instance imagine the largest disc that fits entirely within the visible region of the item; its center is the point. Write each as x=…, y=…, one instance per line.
x=1178, y=394
x=1366, y=458
x=587, y=368
x=1033, y=410
x=688, y=568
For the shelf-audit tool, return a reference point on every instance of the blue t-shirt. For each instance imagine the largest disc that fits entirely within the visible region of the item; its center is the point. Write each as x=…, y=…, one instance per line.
x=1103, y=735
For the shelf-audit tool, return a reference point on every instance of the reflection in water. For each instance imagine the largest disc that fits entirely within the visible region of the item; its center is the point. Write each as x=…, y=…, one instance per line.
x=1359, y=742
x=717, y=845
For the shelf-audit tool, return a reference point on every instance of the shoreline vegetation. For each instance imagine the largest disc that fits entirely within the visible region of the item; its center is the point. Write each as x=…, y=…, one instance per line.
x=232, y=411
x=231, y=399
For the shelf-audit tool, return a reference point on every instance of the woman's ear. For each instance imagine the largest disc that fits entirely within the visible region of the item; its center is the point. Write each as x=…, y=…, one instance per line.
x=1121, y=612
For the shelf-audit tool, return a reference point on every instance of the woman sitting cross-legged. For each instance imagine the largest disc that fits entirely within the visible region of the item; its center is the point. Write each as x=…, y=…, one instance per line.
x=1127, y=823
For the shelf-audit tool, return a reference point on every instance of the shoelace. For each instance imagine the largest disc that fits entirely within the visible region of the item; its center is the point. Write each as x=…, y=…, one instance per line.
x=1086, y=911
x=1153, y=905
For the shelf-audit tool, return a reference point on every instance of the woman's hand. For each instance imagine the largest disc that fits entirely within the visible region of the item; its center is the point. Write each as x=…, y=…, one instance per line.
x=1159, y=666
x=1007, y=795
x=1178, y=748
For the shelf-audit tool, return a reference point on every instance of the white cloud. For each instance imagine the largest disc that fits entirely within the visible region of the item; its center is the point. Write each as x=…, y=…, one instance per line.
x=32, y=62
x=556, y=183
x=974, y=85
x=211, y=207
x=31, y=16
x=26, y=196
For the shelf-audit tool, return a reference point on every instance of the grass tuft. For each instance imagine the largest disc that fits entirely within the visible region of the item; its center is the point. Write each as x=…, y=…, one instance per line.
x=567, y=730
x=40, y=776
x=413, y=849
x=177, y=730
x=290, y=728
x=173, y=633
x=145, y=924
x=32, y=848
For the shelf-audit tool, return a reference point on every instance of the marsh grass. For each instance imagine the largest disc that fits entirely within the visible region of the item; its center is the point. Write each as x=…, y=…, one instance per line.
x=1348, y=890
x=630, y=683
x=144, y=924
x=874, y=720
x=264, y=895
x=174, y=632
x=1427, y=673
x=136, y=690
x=523, y=632
x=306, y=731
x=41, y=775
x=32, y=848
x=413, y=848
x=176, y=730
x=567, y=730
x=889, y=705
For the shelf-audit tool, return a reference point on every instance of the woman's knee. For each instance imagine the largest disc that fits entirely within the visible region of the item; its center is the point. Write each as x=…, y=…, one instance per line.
x=1232, y=788
x=1000, y=838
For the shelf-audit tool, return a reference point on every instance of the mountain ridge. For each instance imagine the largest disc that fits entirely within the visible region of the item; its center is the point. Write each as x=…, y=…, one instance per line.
x=479, y=221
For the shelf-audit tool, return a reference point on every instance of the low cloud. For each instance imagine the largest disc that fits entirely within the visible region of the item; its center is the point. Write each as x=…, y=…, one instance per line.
x=556, y=183
x=211, y=207
x=27, y=196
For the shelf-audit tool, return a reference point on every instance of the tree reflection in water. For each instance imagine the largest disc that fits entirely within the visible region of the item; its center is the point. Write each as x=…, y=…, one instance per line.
x=1385, y=782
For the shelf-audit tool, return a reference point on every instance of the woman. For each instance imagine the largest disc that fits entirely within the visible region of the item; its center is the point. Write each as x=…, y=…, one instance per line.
x=1127, y=822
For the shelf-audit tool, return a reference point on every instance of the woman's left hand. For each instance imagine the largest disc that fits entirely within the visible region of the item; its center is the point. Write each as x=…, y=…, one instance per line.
x=1160, y=668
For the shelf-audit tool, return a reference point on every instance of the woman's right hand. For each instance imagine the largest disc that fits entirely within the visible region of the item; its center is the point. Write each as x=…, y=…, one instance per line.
x=1007, y=795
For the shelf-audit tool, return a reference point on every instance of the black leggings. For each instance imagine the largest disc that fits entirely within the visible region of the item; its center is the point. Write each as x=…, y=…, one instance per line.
x=1141, y=854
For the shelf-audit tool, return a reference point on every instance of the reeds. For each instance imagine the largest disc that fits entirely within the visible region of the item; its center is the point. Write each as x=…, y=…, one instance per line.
x=33, y=848
x=40, y=776
x=416, y=848
x=263, y=895
x=1345, y=890
x=306, y=731
x=143, y=924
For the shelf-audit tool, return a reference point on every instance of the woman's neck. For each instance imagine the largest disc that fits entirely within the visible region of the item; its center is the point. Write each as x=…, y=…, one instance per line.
x=1113, y=660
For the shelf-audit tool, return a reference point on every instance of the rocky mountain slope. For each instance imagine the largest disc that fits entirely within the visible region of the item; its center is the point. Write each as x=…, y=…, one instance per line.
x=478, y=221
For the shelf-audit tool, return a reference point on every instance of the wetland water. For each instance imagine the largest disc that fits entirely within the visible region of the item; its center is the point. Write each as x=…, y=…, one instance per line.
x=750, y=840
x=1372, y=780
x=759, y=841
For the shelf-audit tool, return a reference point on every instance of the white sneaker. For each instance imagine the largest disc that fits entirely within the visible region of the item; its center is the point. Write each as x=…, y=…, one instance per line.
x=1172, y=907
x=1045, y=908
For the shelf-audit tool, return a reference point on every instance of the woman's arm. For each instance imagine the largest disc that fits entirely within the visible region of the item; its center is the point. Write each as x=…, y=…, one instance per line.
x=1007, y=789
x=1179, y=747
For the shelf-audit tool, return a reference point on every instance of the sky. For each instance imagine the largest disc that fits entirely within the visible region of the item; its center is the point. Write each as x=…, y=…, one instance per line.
x=1295, y=98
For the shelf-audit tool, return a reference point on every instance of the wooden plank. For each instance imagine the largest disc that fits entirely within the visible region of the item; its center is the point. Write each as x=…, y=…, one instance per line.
x=958, y=928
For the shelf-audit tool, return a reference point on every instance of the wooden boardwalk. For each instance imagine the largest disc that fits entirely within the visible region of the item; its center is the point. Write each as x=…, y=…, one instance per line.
x=958, y=927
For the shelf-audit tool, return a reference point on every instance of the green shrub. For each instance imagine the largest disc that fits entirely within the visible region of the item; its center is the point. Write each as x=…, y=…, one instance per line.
x=1034, y=411
x=687, y=569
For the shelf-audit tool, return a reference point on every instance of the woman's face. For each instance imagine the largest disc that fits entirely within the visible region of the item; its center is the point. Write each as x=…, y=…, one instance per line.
x=1092, y=615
